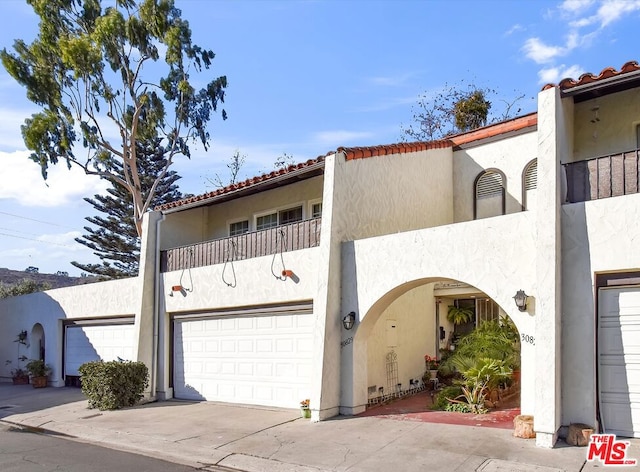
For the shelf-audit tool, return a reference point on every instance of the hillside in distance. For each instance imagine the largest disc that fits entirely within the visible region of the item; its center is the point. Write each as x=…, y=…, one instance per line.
x=59, y=280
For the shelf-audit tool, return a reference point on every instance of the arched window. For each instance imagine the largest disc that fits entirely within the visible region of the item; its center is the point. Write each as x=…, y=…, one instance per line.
x=489, y=194
x=529, y=185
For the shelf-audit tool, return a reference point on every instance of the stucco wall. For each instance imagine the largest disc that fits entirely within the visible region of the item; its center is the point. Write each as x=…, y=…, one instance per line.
x=183, y=227
x=98, y=300
x=413, y=315
x=608, y=130
x=255, y=284
x=495, y=255
x=300, y=193
x=212, y=222
x=401, y=192
x=510, y=155
x=598, y=236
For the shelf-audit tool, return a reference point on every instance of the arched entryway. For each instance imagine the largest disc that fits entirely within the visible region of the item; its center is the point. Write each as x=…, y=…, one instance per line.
x=37, y=343
x=409, y=322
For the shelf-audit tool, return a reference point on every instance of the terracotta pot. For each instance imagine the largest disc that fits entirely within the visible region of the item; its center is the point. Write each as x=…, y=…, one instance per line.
x=24, y=380
x=39, y=382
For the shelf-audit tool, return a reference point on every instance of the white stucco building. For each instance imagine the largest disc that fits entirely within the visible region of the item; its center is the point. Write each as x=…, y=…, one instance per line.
x=242, y=291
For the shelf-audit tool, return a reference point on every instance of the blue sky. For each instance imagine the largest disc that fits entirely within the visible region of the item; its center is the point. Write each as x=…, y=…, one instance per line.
x=306, y=77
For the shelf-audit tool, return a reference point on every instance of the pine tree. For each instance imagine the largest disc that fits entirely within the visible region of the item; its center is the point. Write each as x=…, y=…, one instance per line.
x=115, y=240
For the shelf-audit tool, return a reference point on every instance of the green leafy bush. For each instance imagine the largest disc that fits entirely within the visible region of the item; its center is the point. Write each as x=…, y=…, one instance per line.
x=113, y=385
x=441, y=401
x=461, y=408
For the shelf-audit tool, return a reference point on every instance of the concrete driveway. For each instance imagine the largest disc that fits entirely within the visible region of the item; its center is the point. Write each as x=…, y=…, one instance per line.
x=265, y=439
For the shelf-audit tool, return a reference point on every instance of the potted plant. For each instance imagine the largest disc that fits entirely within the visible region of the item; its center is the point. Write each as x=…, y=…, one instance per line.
x=304, y=409
x=39, y=372
x=459, y=315
x=18, y=375
x=431, y=363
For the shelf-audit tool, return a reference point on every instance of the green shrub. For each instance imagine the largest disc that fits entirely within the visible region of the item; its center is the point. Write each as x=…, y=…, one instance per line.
x=441, y=402
x=113, y=385
x=461, y=408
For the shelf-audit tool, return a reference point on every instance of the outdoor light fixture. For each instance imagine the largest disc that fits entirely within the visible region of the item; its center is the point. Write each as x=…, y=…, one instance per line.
x=521, y=300
x=349, y=320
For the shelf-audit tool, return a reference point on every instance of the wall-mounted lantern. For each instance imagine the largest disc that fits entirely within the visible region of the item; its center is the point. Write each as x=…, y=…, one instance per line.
x=349, y=320
x=521, y=300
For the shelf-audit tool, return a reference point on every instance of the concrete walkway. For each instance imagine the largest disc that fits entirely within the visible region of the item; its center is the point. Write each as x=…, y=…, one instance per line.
x=264, y=440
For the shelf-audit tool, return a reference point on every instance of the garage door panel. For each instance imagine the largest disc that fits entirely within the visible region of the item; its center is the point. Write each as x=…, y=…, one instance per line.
x=97, y=342
x=619, y=360
x=262, y=360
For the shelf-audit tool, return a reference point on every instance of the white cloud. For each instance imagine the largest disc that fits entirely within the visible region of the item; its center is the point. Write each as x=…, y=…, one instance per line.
x=514, y=29
x=10, y=122
x=540, y=52
x=576, y=6
x=612, y=10
x=21, y=180
x=607, y=13
x=553, y=75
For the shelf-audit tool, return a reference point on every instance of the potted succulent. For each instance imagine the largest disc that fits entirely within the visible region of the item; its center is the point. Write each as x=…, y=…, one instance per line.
x=304, y=409
x=18, y=375
x=39, y=372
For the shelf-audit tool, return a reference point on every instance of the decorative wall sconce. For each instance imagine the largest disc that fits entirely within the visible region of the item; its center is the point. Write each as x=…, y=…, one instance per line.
x=521, y=300
x=349, y=320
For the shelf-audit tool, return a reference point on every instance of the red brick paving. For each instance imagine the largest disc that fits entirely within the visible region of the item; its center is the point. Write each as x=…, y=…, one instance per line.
x=416, y=408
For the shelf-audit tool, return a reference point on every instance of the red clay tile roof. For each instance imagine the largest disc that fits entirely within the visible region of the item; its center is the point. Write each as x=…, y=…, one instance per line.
x=399, y=148
x=241, y=185
x=485, y=132
x=587, y=78
x=514, y=124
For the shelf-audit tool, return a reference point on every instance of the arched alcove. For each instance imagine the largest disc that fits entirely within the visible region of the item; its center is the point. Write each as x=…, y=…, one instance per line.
x=37, y=342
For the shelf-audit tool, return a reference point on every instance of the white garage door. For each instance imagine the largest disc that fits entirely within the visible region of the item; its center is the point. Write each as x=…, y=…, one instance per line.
x=619, y=360
x=260, y=359
x=107, y=342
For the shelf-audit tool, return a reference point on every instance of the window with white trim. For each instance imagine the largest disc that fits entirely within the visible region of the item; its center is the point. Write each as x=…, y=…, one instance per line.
x=239, y=227
x=266, y=221
x=291, y=215
x=316, y=210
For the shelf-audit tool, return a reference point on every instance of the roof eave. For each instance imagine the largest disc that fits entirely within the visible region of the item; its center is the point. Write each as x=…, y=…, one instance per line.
x=605, y=86
x=295, y=175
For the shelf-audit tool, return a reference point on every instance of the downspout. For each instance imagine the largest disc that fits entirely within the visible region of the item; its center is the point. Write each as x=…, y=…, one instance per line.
x=156, y=309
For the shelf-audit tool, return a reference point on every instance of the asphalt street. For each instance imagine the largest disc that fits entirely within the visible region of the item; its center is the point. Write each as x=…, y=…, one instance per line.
x=22, y=450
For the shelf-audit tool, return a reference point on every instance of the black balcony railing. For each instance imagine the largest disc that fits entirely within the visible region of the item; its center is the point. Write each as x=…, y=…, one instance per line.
x=602, y=177
x=285, y=238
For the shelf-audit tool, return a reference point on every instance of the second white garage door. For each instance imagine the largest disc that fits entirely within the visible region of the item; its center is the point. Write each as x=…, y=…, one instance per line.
x=256, y=359
x=619, y=360
x=94, y=342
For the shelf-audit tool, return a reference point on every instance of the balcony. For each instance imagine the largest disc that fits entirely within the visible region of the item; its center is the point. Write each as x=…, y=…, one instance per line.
x=602, y=177
x=285, y=238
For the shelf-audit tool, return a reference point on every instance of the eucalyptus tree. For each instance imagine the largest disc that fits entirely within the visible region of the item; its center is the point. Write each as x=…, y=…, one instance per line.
x=113, y=237
x=105, y=78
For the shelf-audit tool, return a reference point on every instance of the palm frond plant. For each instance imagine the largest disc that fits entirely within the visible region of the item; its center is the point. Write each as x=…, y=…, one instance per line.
x=478, y=380
x=459, y=315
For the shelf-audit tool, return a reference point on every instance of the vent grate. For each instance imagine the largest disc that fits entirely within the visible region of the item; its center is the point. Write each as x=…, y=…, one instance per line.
x=490, y=185
x=531, y=176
